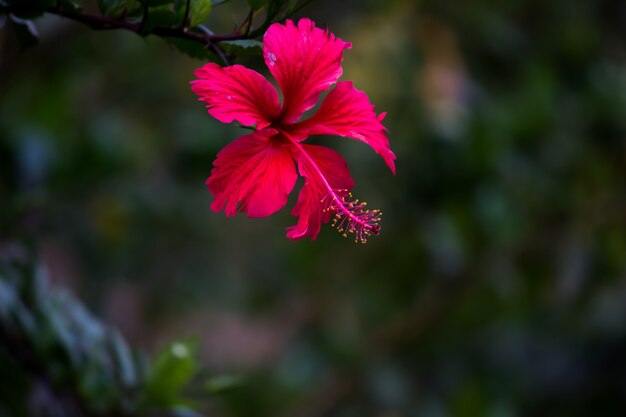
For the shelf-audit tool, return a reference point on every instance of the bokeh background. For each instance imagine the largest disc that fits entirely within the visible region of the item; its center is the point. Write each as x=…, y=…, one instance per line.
x=497, y=286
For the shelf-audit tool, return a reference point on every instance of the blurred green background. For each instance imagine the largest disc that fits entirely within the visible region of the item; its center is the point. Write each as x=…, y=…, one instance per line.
x=497, y=286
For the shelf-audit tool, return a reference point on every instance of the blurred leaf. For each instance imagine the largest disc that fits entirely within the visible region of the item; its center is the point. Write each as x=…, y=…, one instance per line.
x=25, y=31
x=3, y=20
x=200, y=11
x=220, y=383
x=69, y=5
x=61, y=330
x=24, y=322
x=193, y=49
x=172, y=369
x=162, y=16
x=37, y=285
x=8, y=299
x=257, y=4
x=97, y=386
x=274, y=7
x=60, y=341
x=156, y=3
x=29, y=9
x=116, y=7
x=181, y=411
x=295, y=5
x=135, y=11
x=124, y=359
x=242, y=47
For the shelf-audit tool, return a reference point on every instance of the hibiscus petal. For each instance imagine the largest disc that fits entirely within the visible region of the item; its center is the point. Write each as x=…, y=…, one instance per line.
x=305, y=60
x=236, y=93
x=348, y=112
x=252, y=175
x=310, y=208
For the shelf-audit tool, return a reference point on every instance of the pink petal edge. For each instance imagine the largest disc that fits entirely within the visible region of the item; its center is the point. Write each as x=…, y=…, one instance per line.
x=305, y=60
x=252, y=175
x=348, y=112
x=236, y=93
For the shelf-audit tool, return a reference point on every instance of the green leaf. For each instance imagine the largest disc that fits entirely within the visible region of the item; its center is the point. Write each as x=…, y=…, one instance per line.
x=257, y=4
x=70, y=6
x=135, y=10
x=274, y=7
x=157, y=3
x=114, y=7
x=162, y=16
x=241, y=47
x=200, y=11
x=222, y=383
x=96, y=385
x=173, y=368
x=193, y=49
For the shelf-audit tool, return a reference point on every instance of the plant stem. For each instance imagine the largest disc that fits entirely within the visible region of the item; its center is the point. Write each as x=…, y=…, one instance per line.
x=97, y=22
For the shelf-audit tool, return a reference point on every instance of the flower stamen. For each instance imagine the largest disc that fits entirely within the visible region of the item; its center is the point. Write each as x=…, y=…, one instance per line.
x=351, y=216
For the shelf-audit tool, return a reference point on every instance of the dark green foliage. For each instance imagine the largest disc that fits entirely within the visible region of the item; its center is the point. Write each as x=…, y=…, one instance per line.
x=171, y=371
x=193, y=49
x=64, y=359
x=178, y=21
x=243, y=47
x=117, y=7
x=70, y=6
x=257, y=4
x=199, y=11
x=172, y=14
x=162, y=16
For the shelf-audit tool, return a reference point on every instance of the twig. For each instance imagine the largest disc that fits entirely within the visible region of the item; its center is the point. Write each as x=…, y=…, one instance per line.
x=97, y=22
x=186, y=18
x=106, y=23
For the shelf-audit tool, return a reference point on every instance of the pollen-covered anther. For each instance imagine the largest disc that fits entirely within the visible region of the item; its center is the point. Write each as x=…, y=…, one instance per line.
x=351, y=216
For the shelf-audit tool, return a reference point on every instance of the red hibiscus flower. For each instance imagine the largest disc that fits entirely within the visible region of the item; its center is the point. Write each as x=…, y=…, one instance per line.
x=256, y=172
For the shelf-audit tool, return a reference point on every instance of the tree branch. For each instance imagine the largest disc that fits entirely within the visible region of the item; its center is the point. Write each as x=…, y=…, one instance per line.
x=97, y=22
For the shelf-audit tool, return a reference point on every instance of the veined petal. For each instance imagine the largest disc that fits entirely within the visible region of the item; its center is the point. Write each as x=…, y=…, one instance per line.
x=348, y=112
x=311, y=207
x=305, y=60
x=252, y=175
x=236, y=93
